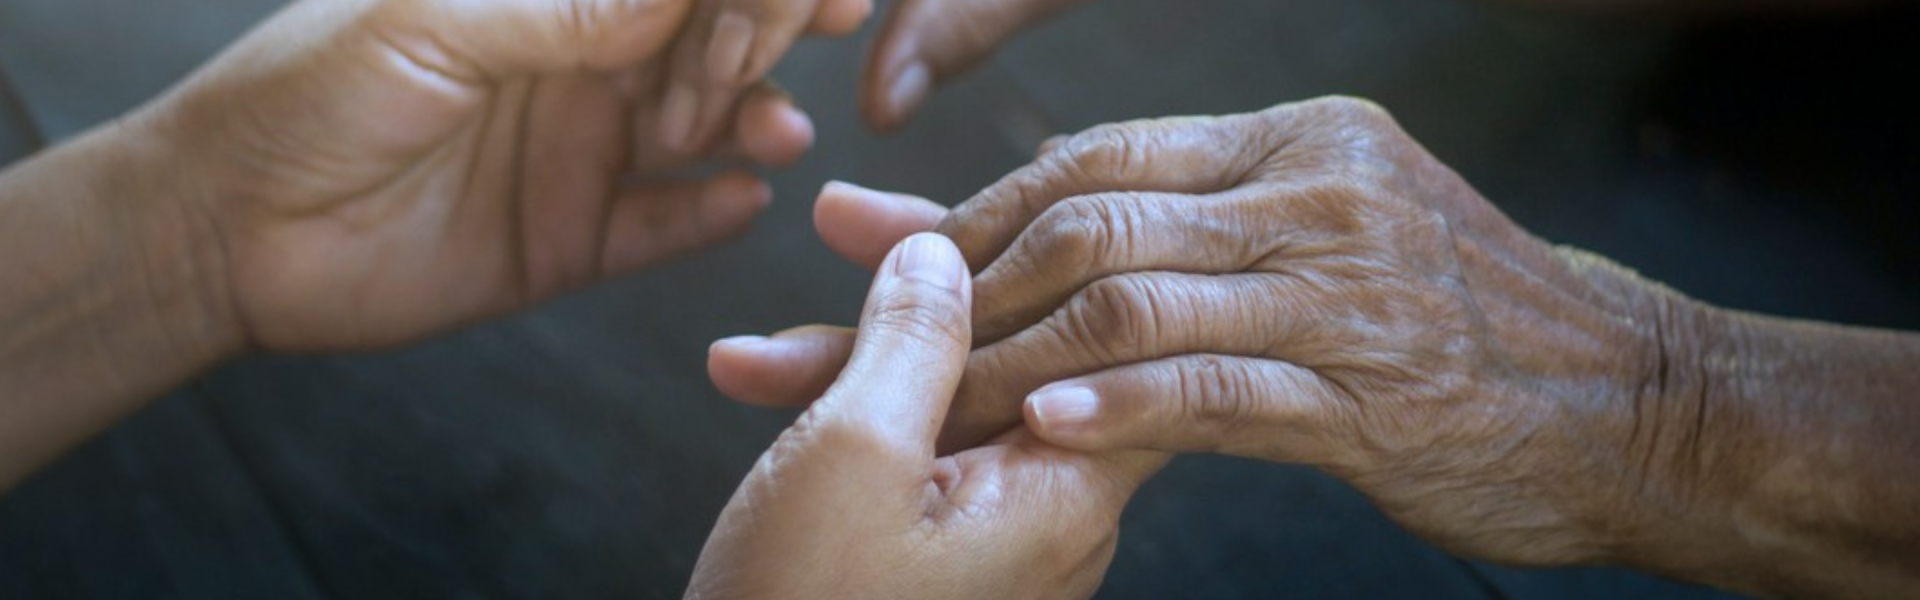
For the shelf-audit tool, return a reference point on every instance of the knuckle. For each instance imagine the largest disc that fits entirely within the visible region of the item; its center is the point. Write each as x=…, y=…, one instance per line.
x=1115, y=316
x=858, y=437
x=1088, y=230
x=1216, y=392
x=1107, y=151
x=1353, y=109
x=1219, y=401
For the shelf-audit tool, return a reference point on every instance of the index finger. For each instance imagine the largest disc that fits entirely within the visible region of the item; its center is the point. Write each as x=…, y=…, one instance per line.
x=1182, y=155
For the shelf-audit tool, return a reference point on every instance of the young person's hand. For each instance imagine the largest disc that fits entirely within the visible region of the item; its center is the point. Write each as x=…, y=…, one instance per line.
x=380, y=170
x=926, y=42
x=852, y=502
x=727, y=48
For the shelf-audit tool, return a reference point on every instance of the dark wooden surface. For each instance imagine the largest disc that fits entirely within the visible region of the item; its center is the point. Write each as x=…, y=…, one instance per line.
x=577, y=451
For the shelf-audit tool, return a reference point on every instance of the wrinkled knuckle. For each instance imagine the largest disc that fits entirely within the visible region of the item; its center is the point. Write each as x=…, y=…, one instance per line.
x=1355, y=110
x=1217, y=394
x=1065, y=233
x=1114, y=315
x=1088, y=230
x=1113, y=150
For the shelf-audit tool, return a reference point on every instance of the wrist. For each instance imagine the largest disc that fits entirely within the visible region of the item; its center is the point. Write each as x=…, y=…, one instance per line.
x=173, y=224
x=1704, y=442
x=115, y=292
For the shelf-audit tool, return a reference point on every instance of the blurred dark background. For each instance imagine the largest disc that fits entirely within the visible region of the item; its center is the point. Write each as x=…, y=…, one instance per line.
x=577, y=451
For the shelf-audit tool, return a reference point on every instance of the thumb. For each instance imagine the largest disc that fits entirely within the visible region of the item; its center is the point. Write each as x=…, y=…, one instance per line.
x=471, y=40
x=910, y=351
x=1204, y=403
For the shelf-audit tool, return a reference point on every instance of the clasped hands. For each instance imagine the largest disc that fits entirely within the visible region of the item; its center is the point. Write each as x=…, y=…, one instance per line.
x=1302, y=284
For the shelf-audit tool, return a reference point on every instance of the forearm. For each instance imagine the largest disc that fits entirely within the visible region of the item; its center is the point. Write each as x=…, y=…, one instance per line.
x=1795, y=444
x=112, y=290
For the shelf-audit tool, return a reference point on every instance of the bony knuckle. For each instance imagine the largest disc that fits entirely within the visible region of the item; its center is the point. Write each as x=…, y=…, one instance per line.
x=858, y=437
x=1115, y=314
x=1216, y=393
x=1355, y=109
x=1087, y=230
x=1065, y=233
x=1108, y=149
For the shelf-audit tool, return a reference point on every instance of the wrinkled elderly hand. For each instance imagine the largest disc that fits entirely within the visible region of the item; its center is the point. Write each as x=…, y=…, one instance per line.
x=379, y=170
x=852, y=503
x=1307, y=284
x=1303, y=284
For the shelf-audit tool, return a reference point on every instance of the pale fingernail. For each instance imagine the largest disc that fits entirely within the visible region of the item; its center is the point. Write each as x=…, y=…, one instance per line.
x=930, y=258
x=728, y=48
x=910, y=87
x=1064, y=407
x=740, y=342
x=677, y=114
x=846, y=189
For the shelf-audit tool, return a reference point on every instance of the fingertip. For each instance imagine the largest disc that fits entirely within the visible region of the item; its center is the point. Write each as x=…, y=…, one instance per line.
x=728, y=48
x=1064, y=414
x=894, y=96
x=776, y=372
x=840, y=17
x=863, y=225
x=773, y=131
x=736, y=367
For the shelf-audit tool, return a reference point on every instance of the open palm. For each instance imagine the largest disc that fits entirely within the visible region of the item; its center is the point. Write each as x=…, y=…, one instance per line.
x=398, y=177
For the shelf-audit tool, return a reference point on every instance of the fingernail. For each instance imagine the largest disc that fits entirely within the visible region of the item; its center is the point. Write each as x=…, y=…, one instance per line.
x=728, y=48
x=741, y=342
x=1064, y=407
x=909, y=88
x=843, y=188
x=930, y=258
x=676, y=115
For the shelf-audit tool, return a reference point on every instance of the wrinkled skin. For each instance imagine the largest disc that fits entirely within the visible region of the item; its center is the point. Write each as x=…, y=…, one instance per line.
x=1307, y=284
x=852, y=503
x=1313, y=278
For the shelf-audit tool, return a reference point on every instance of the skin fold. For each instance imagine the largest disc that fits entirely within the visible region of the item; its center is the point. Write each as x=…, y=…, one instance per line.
x=1308, y=285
